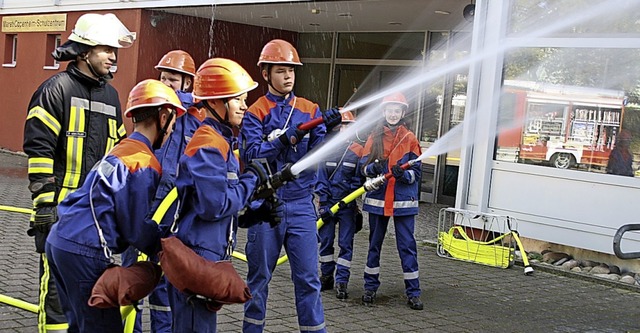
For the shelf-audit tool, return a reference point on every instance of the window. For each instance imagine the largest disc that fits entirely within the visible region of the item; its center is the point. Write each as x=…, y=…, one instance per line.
x=10, y=50
x=53, y=41
x=570, y=107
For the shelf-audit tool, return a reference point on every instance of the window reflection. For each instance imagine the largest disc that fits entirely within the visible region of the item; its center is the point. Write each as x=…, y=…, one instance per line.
x=571, y=109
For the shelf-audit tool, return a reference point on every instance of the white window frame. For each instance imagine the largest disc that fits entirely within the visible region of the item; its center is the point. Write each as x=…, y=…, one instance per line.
x=14, y=52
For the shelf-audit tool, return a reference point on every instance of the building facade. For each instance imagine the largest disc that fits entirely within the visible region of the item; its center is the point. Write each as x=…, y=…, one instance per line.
x=533, y=96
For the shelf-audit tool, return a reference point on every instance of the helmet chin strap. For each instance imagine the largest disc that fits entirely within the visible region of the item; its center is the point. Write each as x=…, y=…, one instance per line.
x=162, y=130
x=217, y=116
x=93, y=71
x=268, y=68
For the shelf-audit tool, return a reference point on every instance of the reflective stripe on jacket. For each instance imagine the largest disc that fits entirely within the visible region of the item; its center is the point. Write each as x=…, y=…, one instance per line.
x=212, y=190
x=73, y=121
x=120, y=188
x=395, y=197
x=338, y=174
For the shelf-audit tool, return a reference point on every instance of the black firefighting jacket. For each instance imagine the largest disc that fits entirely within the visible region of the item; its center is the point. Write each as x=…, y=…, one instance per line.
x=73, y=121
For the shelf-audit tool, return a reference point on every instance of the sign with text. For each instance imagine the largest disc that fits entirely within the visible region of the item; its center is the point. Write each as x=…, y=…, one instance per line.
x=34, y=23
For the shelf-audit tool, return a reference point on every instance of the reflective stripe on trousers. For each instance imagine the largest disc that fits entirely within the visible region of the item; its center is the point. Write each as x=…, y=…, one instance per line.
x=407, y=249
x=298, y=227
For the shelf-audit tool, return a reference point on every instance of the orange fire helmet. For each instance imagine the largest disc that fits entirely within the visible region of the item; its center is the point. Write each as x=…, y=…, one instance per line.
x=178, y=61
x=152, y=92
x=348, y=117
x=279, y=52
x=221, y=78
x=397, y=98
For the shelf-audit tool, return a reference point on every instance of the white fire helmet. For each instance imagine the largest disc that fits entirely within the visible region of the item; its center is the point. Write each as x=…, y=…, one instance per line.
x=97, y=29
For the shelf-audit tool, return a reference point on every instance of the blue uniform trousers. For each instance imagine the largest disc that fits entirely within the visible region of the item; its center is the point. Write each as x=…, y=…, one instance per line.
x=159, y=309
x=74, y=287
x=406, y=244
x=345, y=221
x=298, y=233
x=190, y=314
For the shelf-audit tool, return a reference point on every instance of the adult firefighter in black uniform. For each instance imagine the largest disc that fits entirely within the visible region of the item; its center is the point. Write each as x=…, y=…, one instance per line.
x=74, y=119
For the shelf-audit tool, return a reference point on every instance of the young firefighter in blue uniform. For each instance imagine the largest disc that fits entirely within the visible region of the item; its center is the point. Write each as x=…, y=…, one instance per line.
x=280, y=112
x=74, y=120
x=211, y=188
x=338, y=176
x=108, y=213
x=389, y=146
x=177, y=71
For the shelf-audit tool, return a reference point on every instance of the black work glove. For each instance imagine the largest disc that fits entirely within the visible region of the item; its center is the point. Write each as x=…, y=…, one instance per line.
x=270, y=211
x=325, y=212
x=398, y=171
x=292, y=136
x=332, y=118
x=276, y=211
x=260, y=172
x=375, y=168
x=44, y=217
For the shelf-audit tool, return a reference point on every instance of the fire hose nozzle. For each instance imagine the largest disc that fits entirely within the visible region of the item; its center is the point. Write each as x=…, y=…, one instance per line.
x=282, y=177
x=374, y=183
x=275, y=181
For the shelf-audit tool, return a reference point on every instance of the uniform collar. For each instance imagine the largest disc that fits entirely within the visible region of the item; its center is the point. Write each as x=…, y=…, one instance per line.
x=139, y=137
x=73, y=69
x=225, y=130
x=280, y=99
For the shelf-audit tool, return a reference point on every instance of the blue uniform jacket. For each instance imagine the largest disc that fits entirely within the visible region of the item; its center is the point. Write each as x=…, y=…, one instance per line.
x=338, y=175
x=268, y=113
x=169, y=155
x=121, y=187
x=397, y=197
x=211, y=189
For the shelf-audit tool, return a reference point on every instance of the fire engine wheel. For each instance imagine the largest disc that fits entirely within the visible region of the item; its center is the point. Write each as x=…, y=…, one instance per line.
x=563, y=160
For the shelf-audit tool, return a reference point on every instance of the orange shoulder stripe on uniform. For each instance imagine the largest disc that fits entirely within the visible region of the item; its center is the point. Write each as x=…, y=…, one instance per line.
x=306, y=106
x=207, y=137
x=261, y=108
x=136, y=155
x=199, y=114
x=356, y=148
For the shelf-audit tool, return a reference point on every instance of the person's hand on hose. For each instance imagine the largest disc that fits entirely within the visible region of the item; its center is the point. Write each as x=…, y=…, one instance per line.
x=325, y=212
x=331, y=118
x=375, y=168
x=292, y=136
x=276, y=211
x=259, y=171
x=398, y=171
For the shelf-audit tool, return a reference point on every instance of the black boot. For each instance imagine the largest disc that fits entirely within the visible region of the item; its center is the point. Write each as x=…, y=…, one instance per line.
x=341, y=291
x=368, y=297
x=326, y=282
x=415, y=303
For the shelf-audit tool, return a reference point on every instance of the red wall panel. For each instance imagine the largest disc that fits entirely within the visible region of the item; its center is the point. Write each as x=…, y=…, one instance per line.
x=197, y=36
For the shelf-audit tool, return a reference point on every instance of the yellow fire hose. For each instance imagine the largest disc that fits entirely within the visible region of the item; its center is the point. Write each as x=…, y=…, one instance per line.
x=457, y=244
x=334, y=209
x=16, y=209
x=19, y=303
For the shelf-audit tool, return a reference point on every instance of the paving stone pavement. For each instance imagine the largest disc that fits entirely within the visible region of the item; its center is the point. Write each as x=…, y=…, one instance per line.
x=458, y=296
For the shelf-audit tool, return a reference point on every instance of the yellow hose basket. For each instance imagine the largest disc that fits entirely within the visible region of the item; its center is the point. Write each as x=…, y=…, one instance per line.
x=457, y=244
